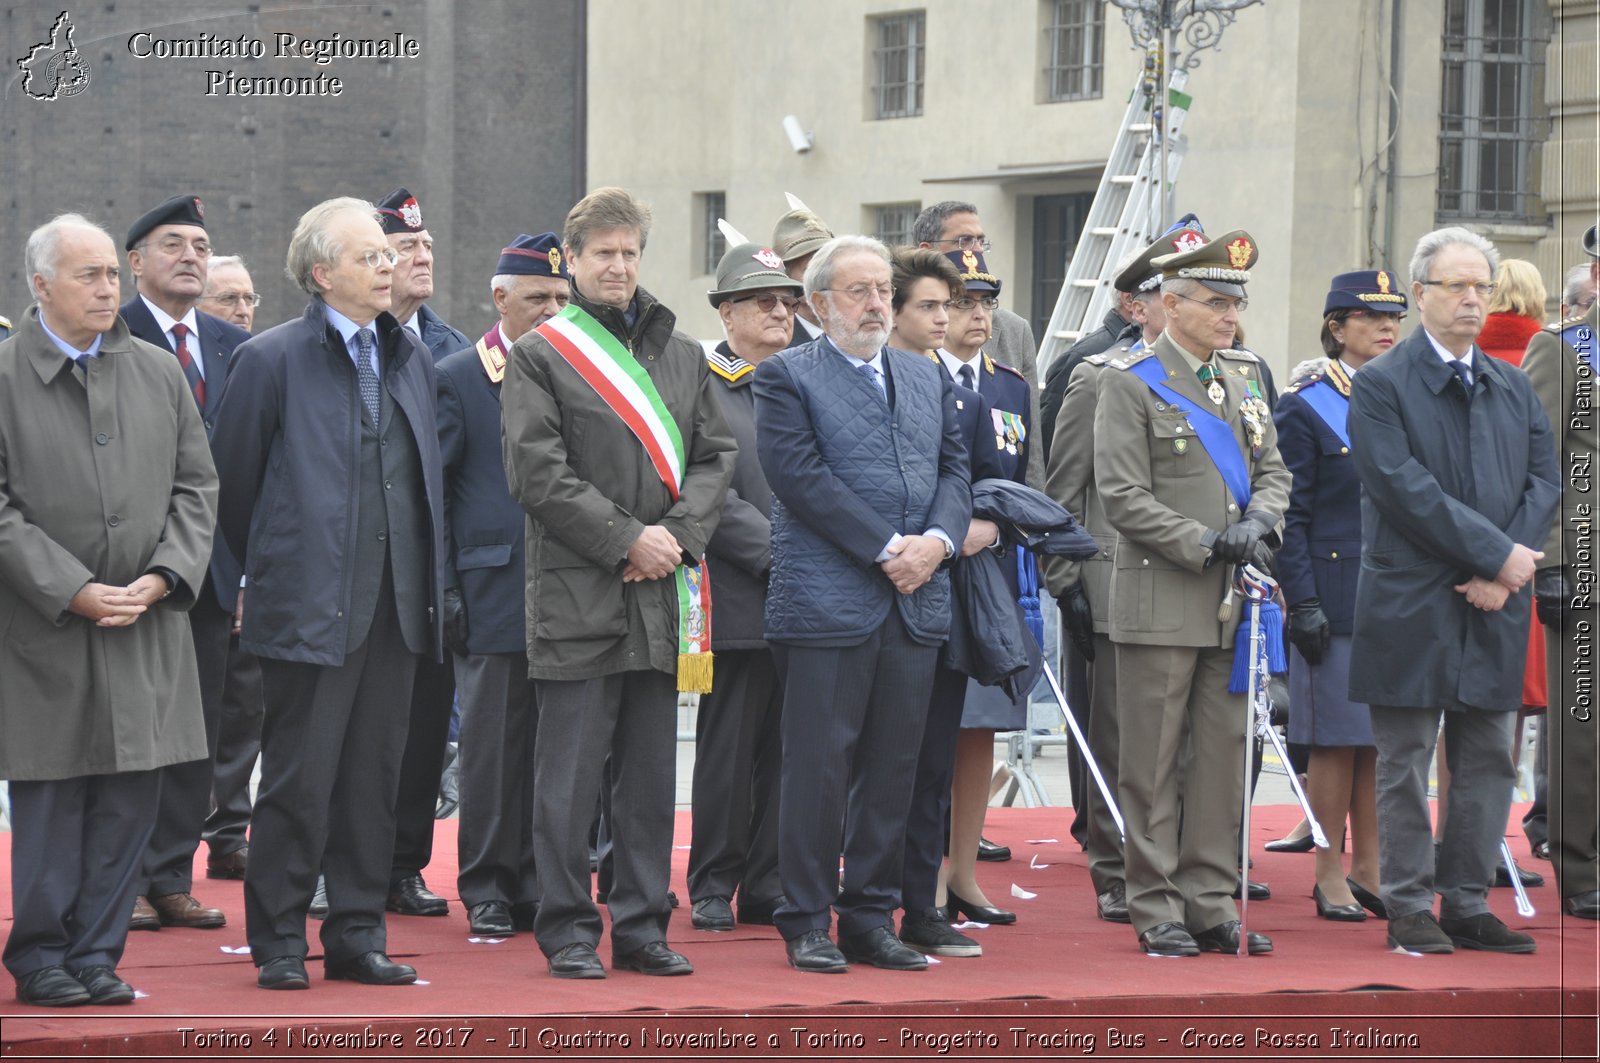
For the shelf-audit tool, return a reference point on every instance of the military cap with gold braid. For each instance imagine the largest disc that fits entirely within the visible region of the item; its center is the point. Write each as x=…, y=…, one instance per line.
x=1223, y=265
x=1365, y=289
x=1140, y=276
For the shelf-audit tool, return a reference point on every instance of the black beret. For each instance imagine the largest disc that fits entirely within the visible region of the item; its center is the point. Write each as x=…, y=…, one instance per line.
x=399, y=212
x=179, y=210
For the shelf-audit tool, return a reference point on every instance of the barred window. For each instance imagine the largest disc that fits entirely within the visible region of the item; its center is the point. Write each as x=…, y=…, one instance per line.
x=898, y=60
x=713, y=205
x=893, y=222
x=1075, y=36
x=1491, y=123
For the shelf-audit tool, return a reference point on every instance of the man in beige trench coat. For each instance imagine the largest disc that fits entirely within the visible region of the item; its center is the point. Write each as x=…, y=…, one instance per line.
x=107, y=502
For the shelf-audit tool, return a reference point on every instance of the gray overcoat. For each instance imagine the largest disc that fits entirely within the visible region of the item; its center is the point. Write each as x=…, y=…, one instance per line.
x=100, y=481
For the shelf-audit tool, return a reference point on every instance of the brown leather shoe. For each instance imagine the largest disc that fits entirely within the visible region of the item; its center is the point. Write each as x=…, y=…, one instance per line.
x=181, y=909
x=144, y=916
x=228, y=865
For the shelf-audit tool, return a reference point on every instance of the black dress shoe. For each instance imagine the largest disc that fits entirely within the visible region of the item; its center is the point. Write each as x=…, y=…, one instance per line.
x=759, y=913
x=880, y=948
x=491, y=919
x=1582, y=905
x=978, y=913
x=411, y=896
x=712, y=913
x=1419, y=932
x=1530, y=879
x=813, y=952
x=1259, y=891
x=1303, y=844
x=654, y=959
x=104, y=986
x=1541, y=850
x=1367, y=899
x=1224, y=938
x=988, y=850
x=577, y=960
x=523, y=913
x=1112, y=905
x=1168, y=939
x=370, y=968
x=1486, y=933
x=319, y=900
x=51, y=987
x=930, y=932
x=1339, y=913
x=228, y=865
x=283, y=972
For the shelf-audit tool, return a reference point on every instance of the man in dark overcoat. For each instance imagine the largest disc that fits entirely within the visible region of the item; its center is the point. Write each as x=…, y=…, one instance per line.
x=860, y=444
x=484, y=580
x=107, y=505
x=331, y=494
x=616, y=448
x=168, y=253
x=1458, y=478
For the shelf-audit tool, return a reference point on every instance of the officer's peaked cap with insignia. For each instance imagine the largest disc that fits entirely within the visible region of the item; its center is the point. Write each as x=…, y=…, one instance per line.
x=1139, y=275
x=974, y=270
x=1223, y=265
x=1591, y=241
x=179, y=210
x=799, y=233
x=1366, y=289
x=399, y=212
x=533, y=256
x=749, y=268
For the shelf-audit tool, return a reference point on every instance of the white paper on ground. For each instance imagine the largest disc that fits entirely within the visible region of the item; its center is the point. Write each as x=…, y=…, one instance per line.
x=969, y=925
x=1022, y=894
x=236, y=950
x=1042, y=841
x=1034, y=863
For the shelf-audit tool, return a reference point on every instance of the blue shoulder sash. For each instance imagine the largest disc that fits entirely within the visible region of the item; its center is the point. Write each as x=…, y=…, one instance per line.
x=1215, y=434
x=1330, y=405
x=1580, y=337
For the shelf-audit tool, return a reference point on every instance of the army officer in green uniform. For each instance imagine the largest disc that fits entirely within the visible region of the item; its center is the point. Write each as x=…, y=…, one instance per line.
x=1187, y=468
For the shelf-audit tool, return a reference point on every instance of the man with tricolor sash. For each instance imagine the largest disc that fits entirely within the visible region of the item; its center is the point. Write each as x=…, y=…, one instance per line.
x=617, y=450
x=1187, y=470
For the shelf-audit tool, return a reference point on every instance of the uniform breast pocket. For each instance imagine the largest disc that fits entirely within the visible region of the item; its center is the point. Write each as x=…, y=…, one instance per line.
x=1173, y=448
x=1335, y=564
x=577, y=599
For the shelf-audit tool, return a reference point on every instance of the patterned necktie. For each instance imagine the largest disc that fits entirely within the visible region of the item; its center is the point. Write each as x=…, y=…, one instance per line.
x=191, y=372
x=968, y=381
x=872, y=375
x=366, y=376
x=1464, y=375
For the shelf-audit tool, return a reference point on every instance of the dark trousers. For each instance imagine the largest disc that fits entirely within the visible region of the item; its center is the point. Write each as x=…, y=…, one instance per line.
x=738, y=762
x=331, y=741
x=499, y=718
x=1080, y=702
x=77, y=849
x=1573, y=749
x=420, y=768
x=927, y=830
x=238, y=746
x=852, y=728
x=186, y=788
x=1104, y=844
x=632, y=717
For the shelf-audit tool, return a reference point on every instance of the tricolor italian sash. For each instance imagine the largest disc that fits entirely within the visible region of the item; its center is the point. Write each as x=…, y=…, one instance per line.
x=1215, y=434
x=623, y=385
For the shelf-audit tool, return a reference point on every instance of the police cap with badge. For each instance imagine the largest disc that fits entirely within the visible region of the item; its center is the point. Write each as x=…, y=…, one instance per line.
x=178, y=210
x=974, y=271
x=399, y=212
x=533, y=256
x=1376, y=290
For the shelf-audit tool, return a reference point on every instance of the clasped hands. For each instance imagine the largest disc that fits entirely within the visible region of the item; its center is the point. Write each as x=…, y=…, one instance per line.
x=110, y=606
x=1491, y=595
x=655, y=554
x=912, y=561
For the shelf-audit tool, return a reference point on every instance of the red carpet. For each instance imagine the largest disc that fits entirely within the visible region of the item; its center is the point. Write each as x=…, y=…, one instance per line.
x=1072, y=983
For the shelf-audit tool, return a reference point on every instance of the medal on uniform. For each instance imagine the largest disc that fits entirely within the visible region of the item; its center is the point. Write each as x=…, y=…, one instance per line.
x=1210, y=377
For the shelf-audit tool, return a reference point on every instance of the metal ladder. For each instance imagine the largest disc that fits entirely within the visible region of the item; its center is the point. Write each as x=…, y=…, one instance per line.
x=1126, y=214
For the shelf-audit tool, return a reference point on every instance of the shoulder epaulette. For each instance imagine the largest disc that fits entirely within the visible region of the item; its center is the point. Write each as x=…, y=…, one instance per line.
x=1129, y=360
x=730, y=368
x=1558, y=328
x=1003, y=367
x=1239, y=354
x=1098, y=359
x=1299, y=384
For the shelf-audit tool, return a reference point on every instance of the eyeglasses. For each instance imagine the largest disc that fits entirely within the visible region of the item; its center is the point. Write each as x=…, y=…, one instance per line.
x=969, y=243
x=967, y=302
x=176, y=245
x=373, y=257
x=860, y=293
x=1459, y=287
x=229, y=298
x=766, y=301
x=1219, y=305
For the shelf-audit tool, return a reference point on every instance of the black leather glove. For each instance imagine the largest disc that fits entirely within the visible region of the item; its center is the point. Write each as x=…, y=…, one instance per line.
x=1261, y=557
x=1078, y=617
x=1553, y=591
x=1309, y=630
x=455, y=622
x=1234, y=542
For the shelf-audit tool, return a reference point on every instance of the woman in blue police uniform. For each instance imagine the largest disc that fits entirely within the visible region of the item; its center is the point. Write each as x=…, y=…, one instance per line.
x=1318, y=564
x=987, y=709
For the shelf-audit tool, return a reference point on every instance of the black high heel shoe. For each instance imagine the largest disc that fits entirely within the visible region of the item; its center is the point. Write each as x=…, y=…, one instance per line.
x=1339, y=913
x=962, y=908
x=1303, y=844
x=1367, y=899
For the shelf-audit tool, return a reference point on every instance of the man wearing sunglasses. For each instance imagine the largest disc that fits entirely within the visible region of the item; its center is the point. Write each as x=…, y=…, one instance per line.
x=332, y=497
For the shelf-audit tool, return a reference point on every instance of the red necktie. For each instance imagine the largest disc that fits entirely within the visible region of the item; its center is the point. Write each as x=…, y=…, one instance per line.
x=191, y=372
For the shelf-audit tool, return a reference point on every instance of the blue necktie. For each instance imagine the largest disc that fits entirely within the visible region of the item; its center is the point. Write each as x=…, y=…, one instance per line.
x=968, y=380
x=366, y=376
x=1464, y=375
x=871, y=374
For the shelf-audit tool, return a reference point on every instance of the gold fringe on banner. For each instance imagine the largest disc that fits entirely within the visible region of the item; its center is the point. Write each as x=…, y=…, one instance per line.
x=694, y=673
